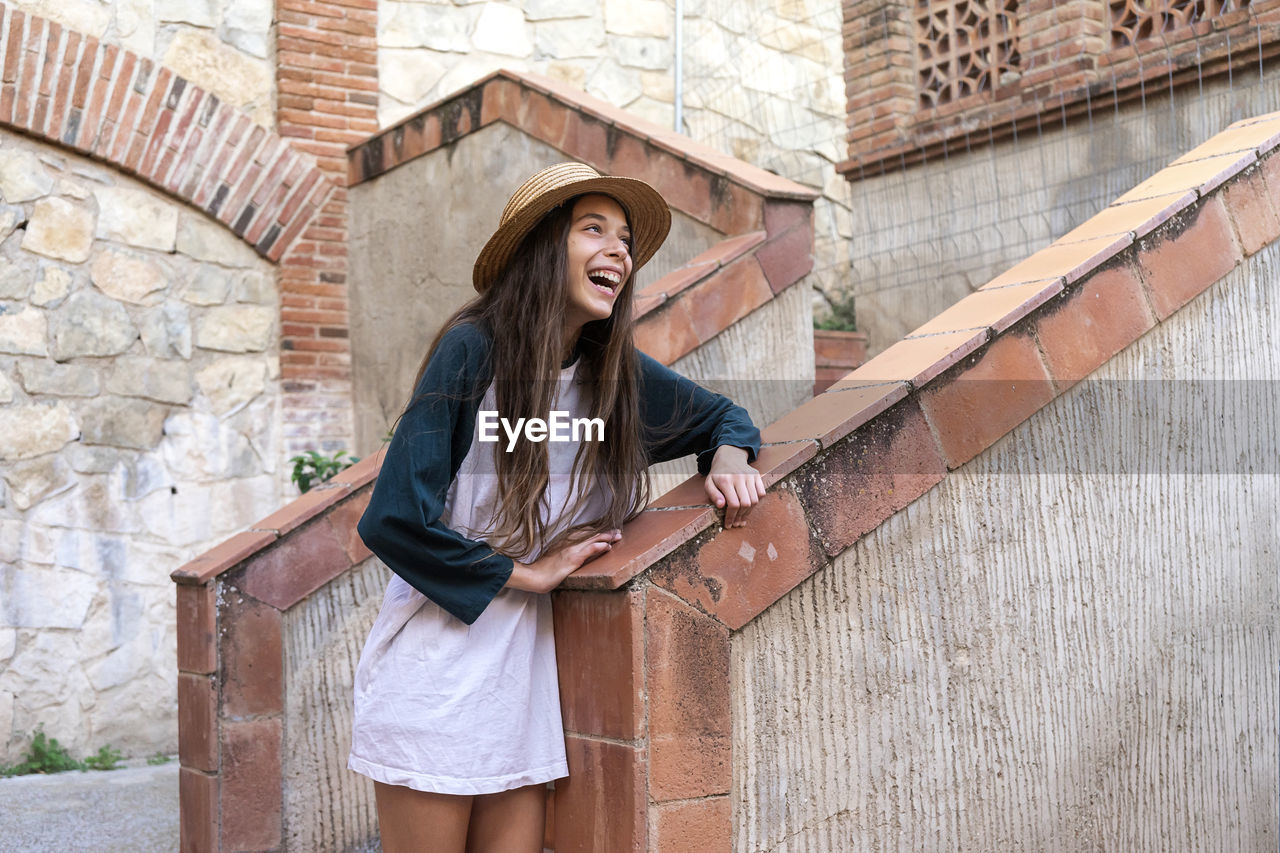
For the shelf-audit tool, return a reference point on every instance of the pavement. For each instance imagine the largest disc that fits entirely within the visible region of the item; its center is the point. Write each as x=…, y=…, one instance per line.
x=132, y=810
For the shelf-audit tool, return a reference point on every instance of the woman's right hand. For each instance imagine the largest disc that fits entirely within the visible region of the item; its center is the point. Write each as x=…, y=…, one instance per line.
x=546, y=573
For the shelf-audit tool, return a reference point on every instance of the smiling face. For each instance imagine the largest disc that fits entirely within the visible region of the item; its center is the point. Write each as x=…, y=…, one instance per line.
x=598, y=258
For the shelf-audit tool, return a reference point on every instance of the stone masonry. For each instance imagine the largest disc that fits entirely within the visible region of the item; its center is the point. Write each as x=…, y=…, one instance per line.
x=139, y=423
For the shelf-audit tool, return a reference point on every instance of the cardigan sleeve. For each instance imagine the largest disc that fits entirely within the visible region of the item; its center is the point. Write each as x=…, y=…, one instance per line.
x=402, y=523
x=680, y=417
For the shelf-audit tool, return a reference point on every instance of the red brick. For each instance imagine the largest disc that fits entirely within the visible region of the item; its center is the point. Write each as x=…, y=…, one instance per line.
x=739, y=572
x=302, y=562
x=1204, y=176
x=703, y=825
x=1001, y=388
x=676, y=281
x=1068, y=261
x=997, y=309
x=734, y=209
x=1259, y=137
x=198, y=811
x=787, y=258
x=684, y=186
x=197, y=625
x=1138, y=218
x=919, y=360
x=197, y=722
x=600, y=657
x=601, y=806
x=251, y=655
x=1080, y=333
x=829, y=417
x=690, y=726
x=221, y=557
x=251, y=802
x=860, y=482
x=1252, y=210
x=647, y=538
x=721, y=300
x=1183, y=258
x=667, y=333
x=729, y=250
x=588, y=139
x=343, y=518
x=782, y=216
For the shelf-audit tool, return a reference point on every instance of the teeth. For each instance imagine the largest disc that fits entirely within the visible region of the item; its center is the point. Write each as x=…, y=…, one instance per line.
x=605, y=279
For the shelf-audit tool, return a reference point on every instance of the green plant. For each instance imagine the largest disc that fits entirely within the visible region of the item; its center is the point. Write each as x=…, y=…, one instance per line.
x=45, y=755
x=106, y=758
x=314, y=467
x=159, y=758
x=841, y=313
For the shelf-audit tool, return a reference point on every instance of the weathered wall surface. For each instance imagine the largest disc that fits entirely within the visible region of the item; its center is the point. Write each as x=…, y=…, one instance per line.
x=226, y=47
x=926, y=237
x=1065, y=645
x=415, y=233
x=139, y=424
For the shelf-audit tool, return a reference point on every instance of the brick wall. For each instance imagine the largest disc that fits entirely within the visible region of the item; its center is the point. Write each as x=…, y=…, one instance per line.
x=1071, y=58
x=327, y=78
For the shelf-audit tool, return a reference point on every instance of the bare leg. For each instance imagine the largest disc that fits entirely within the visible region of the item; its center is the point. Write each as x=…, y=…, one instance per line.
x=412, y=821
x=509, y=821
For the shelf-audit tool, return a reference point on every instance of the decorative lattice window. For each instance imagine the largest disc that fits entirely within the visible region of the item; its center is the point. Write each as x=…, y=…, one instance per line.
x=964, y=47
x=1133, y=21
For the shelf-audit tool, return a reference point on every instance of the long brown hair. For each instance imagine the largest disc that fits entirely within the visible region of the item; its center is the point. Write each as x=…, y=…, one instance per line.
x=523, y=315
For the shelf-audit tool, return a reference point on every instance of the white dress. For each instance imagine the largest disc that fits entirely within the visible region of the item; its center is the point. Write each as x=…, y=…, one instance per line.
x=453, y=708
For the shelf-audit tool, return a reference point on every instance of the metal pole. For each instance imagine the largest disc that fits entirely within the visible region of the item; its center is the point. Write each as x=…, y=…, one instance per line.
x=679, y=82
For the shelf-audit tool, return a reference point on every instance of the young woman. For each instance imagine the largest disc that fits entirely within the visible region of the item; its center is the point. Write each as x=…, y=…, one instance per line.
x=457, y=711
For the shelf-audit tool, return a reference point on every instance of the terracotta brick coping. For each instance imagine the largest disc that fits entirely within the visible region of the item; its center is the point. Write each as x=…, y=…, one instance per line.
x=116, y=106
x=713, y=188
x=889, y=431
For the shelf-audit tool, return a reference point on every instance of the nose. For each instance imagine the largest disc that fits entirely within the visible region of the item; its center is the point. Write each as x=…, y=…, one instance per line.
x=617, y=247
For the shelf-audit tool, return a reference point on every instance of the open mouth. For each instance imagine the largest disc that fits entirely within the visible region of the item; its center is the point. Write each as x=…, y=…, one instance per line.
x=605, y=280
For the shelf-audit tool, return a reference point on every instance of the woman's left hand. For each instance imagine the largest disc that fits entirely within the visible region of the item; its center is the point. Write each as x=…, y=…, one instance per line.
x=734, y=485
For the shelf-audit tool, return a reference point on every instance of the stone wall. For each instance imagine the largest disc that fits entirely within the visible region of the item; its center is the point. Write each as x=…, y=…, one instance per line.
x=139, y=423
x=224, y=47
x=762, y=79
x=1065, y=643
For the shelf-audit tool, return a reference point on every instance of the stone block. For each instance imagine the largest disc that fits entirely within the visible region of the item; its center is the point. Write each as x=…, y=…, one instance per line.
x=61, y=230
x=33, y=479
x=23, y=332
x=152, y=379
x=63, y=380
x=251, y=791
x=258, y=288
x=166, y=331
x=52, y=285
x=236, y=328
x=22, y=176
x=690, y=725
x=600, y=658
x=122, y=665
x=8, y=645
x=6, y=390
x=501, y=29
x=579, y=38
x=638, y=18
x=602, y=805
x=200, y=13
x=44, y=597
x=199, y=446
x=136, y=218
x=409, y=74
x=648, y=53
x=10, y=216
x=542, y=10
x=90, y=324
x=251, y=654
x=210, y=285
x=15, y=281
x=238, y=80
x=230, y=383
x=206, y=239
x=88, y=459
x=122, y=422
x=128, y=277
x=615, y=84
x=27, y=431
x=417, y=25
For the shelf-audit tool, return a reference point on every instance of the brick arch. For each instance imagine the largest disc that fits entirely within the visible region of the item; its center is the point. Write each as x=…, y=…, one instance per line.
x=140, y=117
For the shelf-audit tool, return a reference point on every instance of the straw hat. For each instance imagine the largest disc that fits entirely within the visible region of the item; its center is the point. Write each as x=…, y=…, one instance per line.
x=647, y=213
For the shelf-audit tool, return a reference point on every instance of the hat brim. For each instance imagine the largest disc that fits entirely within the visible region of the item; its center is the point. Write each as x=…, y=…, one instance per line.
x=647, y=214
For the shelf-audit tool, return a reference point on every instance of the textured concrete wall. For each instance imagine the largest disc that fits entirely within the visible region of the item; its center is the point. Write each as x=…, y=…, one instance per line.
x=1069, y=644
x=139, y=426
x=415, y=233
x=326, y=806
x=925, y=237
